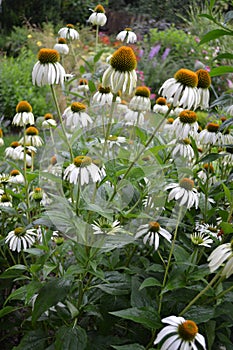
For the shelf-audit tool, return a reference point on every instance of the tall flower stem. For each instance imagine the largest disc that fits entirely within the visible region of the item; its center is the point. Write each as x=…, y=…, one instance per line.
x=25, y=174
x=96, y=37
x=143, y=149
x=61, y=121
x=203, y=291
x=107, y=133
x=169, y=259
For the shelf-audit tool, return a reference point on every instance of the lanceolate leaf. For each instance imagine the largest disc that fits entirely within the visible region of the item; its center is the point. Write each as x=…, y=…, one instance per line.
x=50, y=294
x=71, y=338
x=214, y=34
x=33, y=340
x=221, y=70
x=146, y=316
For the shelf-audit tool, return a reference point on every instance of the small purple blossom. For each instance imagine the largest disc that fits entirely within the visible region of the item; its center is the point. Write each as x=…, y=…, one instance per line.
x=154, y=51
x=166, y=53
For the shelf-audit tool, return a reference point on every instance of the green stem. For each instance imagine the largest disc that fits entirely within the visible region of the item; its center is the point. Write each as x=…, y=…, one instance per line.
x=25, y=174
x=143, y=149
x=61, y=121
x=169, y=259
x=96, y=37
x=109, y=123
x=203, y=291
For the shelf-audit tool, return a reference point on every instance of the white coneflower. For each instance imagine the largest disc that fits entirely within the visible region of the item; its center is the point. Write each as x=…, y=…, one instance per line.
x=98, y=17
x=61, y=46
x=48, y=71
x=5, y=199
x=106, y=227
x=223, y=253
x=24, y=114
x=127, y=35
x=114, y=140
x=83, y=85
x=69, y=32
x=201, y=239
x=75, y=116
x=160, y=105
x=183, y=148
x=48, y=121
x=204, y=82
x=121, y=74
x=184, y=193
x=209, y=229
x=32, y=137
x=134, y=117
x=16, y=177
x=182, y=89
x=141, y=100
x=210, y=135
x=10, y=152
x=40, y=196
x=103, y=96
x=180, y=334
x=207, y=173
x=30, y=151
x=21, y=238
x=152, y=233
x=185, y=125
x=82, y=171
x=229, y=110
x=4, y=178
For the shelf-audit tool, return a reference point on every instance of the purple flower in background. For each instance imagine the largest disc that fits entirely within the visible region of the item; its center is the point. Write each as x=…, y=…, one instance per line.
x=166, y=53
x=141, y=53
x=154, y=51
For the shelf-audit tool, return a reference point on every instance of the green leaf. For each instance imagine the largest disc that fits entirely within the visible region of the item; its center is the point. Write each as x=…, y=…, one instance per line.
x=92, y=86
x=227, y=227
x=14, y=271
x=147, y=316
x=212, y=3
x=7, y=310
x=49, y=295
x=33, y=340
x=82, y=69
x=226, y=55
x=209, y=158
x=210, y=332
x=227, y=192
x=71, y=338
x=200, y=314
x=214, y=34
x=128, y=347
x=98, y=55
x=114, y=288
x=221, y=70
x=150, y=282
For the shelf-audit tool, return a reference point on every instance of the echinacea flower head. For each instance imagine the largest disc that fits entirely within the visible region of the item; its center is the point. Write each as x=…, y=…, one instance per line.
x=69, y=32
x=184, y=193
x=82, y=171
x=75, y=116
x=210, y=135
x=48, y=70
x=61, y=46
x=48, y=121
x=152, y=233
x=185, y=125
x=182, y=89
x=23, y=114
x=83, y=85
x=103, y=96
x=106, y=227
x=201, y=239
x=204, y=82
x=4, y=178
x=127, y=35
x=98, y=17
x=160, y=105
x=10, y=152
x=180, y=334
x=223, y=253
x=5, y=199
x=16, y=177
x=141, y=100
x=183, y=148
x=121, y=74
x=32, y=137
x=21, y=238
x=134, y=117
